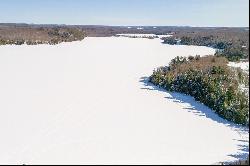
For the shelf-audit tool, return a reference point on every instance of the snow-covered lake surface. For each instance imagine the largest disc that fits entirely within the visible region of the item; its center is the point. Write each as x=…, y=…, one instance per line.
x=88, y=102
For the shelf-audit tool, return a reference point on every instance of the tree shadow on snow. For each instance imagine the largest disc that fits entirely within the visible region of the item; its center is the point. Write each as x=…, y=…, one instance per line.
x=243, y=148
x=201, y=110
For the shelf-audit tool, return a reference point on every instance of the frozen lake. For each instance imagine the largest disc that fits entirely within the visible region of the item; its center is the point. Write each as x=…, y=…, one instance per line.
x=88, y=103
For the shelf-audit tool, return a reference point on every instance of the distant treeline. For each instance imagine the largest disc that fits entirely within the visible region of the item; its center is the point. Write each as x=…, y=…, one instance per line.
x=31, y=32
x=33, y=36
x=232, y=45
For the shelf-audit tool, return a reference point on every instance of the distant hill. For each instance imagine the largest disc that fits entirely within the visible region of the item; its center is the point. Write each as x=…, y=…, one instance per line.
x=42, y=32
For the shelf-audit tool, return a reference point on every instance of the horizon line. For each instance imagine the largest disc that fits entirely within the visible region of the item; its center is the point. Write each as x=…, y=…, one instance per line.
x=191, y=26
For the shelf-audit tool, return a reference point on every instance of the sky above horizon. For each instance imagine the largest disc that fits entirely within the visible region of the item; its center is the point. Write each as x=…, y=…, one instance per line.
x=231, y=13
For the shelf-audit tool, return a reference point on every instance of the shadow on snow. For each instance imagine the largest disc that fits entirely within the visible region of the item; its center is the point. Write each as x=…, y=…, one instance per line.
x=201, y=110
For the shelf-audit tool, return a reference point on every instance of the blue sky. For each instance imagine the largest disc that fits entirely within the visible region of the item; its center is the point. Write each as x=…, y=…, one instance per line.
x=127, y=12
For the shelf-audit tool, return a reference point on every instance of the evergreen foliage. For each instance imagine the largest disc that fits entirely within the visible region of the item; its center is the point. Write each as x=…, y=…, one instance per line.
x=50, y=36
x=210, y=81
x=232, y=50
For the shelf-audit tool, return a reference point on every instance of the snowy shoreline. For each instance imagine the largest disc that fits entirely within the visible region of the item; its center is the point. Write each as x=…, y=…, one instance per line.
x=87, y=102
x=143, y=35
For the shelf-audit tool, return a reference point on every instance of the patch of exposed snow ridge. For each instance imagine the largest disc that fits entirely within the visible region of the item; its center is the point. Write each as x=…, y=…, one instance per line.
x=243, y=65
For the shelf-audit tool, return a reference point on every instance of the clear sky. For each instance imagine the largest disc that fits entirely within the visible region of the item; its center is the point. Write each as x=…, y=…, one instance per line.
x=127, y=12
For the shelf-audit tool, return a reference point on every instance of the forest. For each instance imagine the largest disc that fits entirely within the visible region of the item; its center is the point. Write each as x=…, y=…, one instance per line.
x=210, y=81
x=19, y=35
x=234, y=45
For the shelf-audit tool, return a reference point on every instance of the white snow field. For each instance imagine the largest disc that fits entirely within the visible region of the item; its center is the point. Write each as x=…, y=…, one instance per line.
x=143, y=35
x=243, y=65
x=88, y=102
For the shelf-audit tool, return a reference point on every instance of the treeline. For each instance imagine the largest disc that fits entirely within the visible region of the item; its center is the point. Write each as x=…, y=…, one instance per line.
x=210, y=81
x=34, y=36
x=233, y=49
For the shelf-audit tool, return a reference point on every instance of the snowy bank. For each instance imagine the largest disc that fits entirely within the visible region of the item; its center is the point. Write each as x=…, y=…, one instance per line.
x=143, y=35
x=243, y=65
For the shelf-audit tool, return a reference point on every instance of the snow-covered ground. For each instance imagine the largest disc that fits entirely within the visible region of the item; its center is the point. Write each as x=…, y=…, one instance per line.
x=143, y=35
x=89, y=102
x=243, y=65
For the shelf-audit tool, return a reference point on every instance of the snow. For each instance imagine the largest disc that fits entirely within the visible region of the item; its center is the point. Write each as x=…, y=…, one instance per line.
x=136, y=35
x=161, y=36
x=88, y=102
x=143, y=35
x=243, y=65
